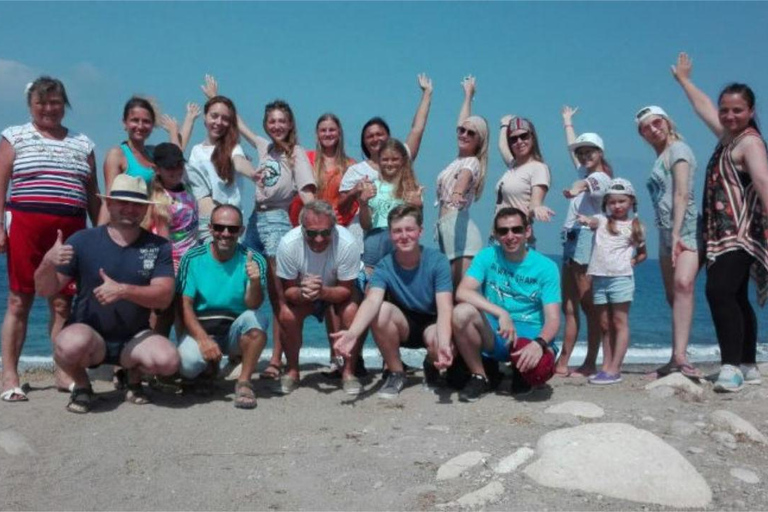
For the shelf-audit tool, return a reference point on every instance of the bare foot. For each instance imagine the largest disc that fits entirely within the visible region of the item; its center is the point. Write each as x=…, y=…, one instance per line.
x=661, y=371
x=583, y=371
x=562, y=372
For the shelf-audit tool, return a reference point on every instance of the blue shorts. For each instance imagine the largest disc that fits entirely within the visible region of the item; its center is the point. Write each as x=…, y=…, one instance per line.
x=500, y=350
x=612, y=289
x=577, y=245
x=265, y=230
x=376, y=245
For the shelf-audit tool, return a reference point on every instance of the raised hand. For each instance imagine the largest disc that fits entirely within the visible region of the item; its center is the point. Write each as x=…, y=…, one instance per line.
x=568, y=113
x=684, y=67
x=193, y=110
x=211, y=87
x=252, y=269
x=110, y=291
x=367, y=190
x=59, y=253
x=168, y=123
x=415, y=197
x=468, y=83
x=425, y=82
x=506, y=120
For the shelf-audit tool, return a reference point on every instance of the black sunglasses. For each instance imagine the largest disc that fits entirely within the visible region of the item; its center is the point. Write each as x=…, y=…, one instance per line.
x=523, y=136
x=314, y=233
x=516, y=230
x=220, y=228
x=461, y=131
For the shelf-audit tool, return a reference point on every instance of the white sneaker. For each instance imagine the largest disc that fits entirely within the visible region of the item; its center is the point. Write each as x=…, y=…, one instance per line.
x=751, y=374
x=729, y=380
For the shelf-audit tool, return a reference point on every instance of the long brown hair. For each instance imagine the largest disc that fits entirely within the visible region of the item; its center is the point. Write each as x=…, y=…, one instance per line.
x=292, y=139
x=340, y=159
x=406, y=180
x=224, y=145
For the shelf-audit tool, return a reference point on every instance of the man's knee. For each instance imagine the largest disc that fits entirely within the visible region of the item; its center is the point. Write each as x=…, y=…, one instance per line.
x=166, y=359
x=73, y=343
x=463, y=315
x=252, y=338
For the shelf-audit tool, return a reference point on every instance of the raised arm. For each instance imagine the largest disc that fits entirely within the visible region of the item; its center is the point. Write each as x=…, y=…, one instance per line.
x=170, y=125
x=413, y=141
x=570, y=133
x=700, y=102
x=506, y=153
x=468, y=84
x=193, y=111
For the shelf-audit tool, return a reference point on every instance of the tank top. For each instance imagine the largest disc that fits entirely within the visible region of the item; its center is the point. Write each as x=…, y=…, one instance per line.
x=134, y=168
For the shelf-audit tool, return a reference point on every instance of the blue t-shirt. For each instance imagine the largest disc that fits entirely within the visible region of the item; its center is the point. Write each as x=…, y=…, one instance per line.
x=218, y=286
x=521, y=288
x=146, y=258
x=415, y=289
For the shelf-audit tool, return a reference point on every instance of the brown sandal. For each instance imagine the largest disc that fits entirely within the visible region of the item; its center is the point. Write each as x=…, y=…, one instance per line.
x=271, y=372
x=245, y=398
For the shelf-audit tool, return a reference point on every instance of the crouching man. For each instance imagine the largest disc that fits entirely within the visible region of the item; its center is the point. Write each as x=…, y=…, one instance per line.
x=508, y=294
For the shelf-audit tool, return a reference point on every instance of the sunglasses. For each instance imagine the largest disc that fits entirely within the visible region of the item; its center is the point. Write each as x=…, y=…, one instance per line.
x=465, y=131
x=657, y=123
x=314, y=233
x=584, y=152
x=516, y=230
x=220, y=228
x=523, y=137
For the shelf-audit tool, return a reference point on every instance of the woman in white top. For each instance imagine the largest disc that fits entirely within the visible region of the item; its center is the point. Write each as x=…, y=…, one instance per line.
x=526, y=182
x=372, y=137
x=586, y=194
x=216, y=166
x=461, y=183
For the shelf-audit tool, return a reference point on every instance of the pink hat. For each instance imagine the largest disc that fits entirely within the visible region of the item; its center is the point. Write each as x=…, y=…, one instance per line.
x=542, y=372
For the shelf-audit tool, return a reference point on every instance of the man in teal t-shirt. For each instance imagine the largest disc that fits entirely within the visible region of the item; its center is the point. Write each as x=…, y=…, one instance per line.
x=221, y=286
x=508, y=292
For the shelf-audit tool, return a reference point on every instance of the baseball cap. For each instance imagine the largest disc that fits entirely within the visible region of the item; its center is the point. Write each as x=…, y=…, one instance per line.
x=621, y=186
x=588, y=139
x=168, y=156
x=542, y=372
x=650, y=110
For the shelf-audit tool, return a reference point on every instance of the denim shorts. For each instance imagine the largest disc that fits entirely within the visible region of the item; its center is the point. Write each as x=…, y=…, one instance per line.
x=612, y=289
x=458, y=236
x=377, y=244
x=577, y=245
x=690, y=237
x=265, y=230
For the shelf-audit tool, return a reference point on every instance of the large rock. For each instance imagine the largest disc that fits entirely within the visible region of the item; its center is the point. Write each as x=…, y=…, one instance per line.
x=457, y=465
x=576, y=408
x=488, y=494
x=14, y=443
x=511, y=462
x=621, y=461
x=737, y=426
x=676, y=381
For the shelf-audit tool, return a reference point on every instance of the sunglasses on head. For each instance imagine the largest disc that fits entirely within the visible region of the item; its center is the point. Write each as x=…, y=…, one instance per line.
x=642, y=112
x=220, y=228
x=516, y=230
x=462, y=131
x=314, y=233
x=523, y=136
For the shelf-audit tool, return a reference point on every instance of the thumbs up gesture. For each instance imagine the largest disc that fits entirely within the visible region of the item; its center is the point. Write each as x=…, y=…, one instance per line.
x=252, y=269
x=59, y=253
x=110, y=291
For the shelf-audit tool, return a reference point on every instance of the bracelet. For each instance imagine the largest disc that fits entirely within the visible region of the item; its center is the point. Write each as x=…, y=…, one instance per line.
x=568, y=125
x=542, y=342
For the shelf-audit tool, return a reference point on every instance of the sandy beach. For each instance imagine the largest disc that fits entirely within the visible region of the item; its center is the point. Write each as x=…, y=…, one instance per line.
x=319, y=449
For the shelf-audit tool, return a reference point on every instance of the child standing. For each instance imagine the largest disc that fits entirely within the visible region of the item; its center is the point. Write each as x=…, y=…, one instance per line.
x=619, y=245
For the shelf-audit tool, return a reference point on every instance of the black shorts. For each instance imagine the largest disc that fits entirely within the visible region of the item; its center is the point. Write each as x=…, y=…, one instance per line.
x=417, y=324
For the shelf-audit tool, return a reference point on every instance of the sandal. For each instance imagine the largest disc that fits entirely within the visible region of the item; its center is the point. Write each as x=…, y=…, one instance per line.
x=14, y=395
x=271, y=372
x=81, y=400
x=688, y=370
x=136, y=395
x=120, y=379
x=244, y=395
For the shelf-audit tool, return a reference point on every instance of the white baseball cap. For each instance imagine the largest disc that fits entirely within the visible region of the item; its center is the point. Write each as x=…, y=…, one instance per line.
x=650, y=110
x=621, y=186
x=588, y=139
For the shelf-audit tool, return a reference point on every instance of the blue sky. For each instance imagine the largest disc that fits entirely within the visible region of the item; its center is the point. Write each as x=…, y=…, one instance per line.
x=361, y=59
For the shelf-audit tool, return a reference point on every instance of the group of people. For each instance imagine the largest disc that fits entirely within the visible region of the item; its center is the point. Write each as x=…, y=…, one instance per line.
x=340, y=240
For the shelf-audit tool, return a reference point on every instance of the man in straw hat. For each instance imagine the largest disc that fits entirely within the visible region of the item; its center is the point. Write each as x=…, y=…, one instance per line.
x=122, y=273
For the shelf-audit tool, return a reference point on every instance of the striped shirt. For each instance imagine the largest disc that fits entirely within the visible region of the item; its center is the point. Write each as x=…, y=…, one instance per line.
x=49, y=175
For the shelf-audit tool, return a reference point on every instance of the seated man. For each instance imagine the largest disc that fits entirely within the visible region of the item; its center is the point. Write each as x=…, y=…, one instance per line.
x=508, y=292
x=416, y=283
x=221, y=285
x=318, y=264
x=122, y=273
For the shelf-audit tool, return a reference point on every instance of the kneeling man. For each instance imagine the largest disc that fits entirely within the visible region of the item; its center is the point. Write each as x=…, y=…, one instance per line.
x=508, y=292
x=222, y=285
x=416, y=283
x=122, y=273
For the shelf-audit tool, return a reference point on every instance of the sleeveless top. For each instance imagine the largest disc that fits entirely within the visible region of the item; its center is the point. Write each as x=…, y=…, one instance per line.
x=183, y=221
x=734, y=218
x=134, y=168
x=49, y=175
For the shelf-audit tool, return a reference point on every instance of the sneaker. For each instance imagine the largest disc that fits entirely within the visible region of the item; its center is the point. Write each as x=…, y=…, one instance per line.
x=351, y=386
x=393, y=385
x=360, y=370
x=431, y=375
x=604, y=378
x=288, y=384
x=475, y=388
x=729, y=380
x=751, y=374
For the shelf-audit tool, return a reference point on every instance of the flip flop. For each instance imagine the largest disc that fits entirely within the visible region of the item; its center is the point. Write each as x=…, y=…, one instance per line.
x=690, y=371
x=14, y=395
x=271, y=372
x=662, y=371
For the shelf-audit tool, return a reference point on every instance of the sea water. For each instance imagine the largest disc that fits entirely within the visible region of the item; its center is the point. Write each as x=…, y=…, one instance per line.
x=650, y=328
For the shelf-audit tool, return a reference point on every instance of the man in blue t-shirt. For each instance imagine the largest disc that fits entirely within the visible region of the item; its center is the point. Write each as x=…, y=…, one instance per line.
x=222, y=285
x=122, y=273
x=408, y=302
x=508, y=292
